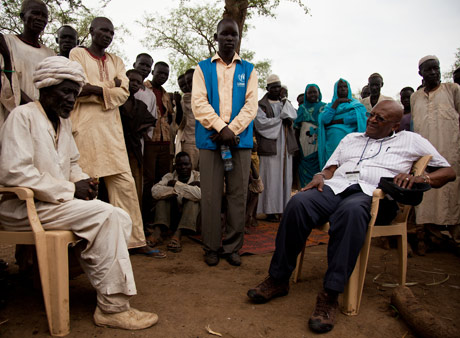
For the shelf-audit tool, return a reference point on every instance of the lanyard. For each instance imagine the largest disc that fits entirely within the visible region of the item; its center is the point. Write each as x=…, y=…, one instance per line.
x=364, y=150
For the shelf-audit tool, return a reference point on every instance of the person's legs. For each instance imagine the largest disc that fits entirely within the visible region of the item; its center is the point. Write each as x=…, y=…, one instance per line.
x=150, y=160
x=192, y=150
x=212, y=185
x=190, y=213
x=136, y=171
x=236, y=195
x=122, y=193
x=303, y=212
x=348, y=230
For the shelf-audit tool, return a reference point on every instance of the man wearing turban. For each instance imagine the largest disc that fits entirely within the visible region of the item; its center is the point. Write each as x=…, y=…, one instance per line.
x=37, y=151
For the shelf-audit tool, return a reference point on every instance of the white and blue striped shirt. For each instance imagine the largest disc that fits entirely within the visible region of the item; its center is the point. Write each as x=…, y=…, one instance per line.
x=376, y=158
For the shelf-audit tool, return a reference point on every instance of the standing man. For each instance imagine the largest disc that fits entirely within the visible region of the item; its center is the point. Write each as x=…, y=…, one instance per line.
x=276, y=146
x=21, y=54
x=435, y=115
x=186, y=132
x=66, y=38
x=375, y=85
x=405, y=95
x=224, y=101
x=97, y=128
x=157, y=158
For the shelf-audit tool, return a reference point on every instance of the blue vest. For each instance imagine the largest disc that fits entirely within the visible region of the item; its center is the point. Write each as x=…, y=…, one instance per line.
x=243, y=71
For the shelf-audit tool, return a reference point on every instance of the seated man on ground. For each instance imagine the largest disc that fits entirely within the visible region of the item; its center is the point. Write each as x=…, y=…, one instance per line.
x=177, y=197
x=37, y=151
x=342, y=194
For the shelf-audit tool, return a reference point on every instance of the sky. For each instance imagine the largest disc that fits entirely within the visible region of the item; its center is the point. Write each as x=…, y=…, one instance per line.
x=348, y=39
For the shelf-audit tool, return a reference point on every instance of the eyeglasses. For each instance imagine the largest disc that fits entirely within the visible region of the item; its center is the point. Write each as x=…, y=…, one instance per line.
x=378, y=118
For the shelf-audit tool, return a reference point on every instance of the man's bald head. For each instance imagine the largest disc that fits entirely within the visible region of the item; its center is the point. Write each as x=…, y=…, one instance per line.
x=393, y=109
x=26, y=4
x=98, y=21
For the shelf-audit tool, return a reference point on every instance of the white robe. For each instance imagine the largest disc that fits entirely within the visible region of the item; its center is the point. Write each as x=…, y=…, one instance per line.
x=275, y=170
x=33, y=155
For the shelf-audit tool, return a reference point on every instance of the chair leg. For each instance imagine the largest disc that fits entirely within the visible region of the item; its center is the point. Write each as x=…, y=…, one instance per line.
x=298, y=267
x=402, y=252
x=59, y=284
x=354, y=288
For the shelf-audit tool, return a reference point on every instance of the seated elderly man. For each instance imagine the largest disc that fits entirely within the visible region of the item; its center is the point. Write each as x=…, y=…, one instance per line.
x=37, y=151
x=178, y=196
x=342, y=194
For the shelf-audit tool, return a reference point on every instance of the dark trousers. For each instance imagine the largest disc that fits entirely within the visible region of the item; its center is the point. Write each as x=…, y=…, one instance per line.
x=348, y=214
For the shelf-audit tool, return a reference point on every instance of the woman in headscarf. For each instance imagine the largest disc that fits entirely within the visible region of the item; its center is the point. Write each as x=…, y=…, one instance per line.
x=307, y=124
x=342, y=116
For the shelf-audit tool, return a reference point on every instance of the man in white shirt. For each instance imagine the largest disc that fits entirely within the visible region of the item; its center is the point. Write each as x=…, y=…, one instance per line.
x=342, y=194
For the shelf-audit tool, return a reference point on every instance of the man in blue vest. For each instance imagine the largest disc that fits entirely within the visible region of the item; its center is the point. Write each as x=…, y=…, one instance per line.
x=224, y=102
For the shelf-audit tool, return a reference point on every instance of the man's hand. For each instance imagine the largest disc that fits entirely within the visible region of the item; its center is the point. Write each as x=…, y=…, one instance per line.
x=117, y=82
x=228, y=137
x=86, y=189
x=195, y=183
x=316, y=182
x=89, y=89
x=339, y=101
x=172, y=183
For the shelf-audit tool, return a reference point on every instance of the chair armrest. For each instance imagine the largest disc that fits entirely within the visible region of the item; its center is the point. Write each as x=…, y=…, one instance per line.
x=378, y=193
x=21, y=192
x=26, y=195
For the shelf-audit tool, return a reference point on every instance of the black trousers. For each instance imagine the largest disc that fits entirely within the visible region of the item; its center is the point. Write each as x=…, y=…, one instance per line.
x=348, y=214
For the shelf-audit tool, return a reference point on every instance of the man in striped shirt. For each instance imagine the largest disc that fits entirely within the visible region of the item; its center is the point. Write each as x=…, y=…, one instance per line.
x=342, y=194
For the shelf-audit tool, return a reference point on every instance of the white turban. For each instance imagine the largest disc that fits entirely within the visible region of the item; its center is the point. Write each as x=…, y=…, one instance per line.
x=272, y=78
x=55, y=69
x=426, y=58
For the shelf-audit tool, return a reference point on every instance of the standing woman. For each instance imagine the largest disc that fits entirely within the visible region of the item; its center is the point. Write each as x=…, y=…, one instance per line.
x=342, y=116
x=307, y=126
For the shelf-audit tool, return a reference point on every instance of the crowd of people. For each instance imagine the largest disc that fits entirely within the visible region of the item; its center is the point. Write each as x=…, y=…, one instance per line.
x=114, y=157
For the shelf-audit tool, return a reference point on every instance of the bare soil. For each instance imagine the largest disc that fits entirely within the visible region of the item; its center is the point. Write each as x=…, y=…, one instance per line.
x=188, y=296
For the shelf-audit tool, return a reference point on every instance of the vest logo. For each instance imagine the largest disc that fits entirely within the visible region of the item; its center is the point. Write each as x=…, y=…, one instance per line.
x=241, y=80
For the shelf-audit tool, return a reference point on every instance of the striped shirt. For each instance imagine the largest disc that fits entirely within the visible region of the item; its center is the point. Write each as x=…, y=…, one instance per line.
x=376, y=158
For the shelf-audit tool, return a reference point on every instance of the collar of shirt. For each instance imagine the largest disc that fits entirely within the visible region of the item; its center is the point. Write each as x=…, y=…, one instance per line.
x=236, y=58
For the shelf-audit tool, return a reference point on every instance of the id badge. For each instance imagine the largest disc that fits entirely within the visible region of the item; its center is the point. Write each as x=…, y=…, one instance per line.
x=352, y=176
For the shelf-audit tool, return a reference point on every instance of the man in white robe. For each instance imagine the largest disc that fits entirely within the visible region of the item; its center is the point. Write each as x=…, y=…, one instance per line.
x=435, y=115
x=19, y=55
x=276, y=145
x=37, y=151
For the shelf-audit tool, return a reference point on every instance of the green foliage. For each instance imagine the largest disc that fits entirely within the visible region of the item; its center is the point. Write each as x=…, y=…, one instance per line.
x=61, y=12
x=267, y=7
x=448, y=75
x=188, y=33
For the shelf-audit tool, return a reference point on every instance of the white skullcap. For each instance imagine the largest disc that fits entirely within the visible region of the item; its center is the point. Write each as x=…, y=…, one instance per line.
x=273, y=78
x=426, y=58
x=55, y=69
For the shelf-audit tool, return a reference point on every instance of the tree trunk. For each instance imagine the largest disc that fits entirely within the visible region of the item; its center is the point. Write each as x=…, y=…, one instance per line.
x=418, y=318
x=237, y=10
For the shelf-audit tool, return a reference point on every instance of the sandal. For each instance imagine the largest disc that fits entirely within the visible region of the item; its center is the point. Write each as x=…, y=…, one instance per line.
x=155, y=253
x=174, y=245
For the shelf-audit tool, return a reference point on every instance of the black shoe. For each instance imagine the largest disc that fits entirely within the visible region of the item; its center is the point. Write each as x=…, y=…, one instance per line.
x=268, y=289
x=323, y=318
x=233, y=259
x=211, y=258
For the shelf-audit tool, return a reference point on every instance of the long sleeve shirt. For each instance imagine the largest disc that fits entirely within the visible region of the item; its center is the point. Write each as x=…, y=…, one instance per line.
x=161, y=190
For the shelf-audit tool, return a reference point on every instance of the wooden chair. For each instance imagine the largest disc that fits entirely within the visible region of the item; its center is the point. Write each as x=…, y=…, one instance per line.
x=52, y=256
x=398, y=227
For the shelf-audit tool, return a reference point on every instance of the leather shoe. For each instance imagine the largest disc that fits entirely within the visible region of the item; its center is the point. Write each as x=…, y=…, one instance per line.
x=211, y=258
x=132, y=319
x=268, y=289
x=234, y=259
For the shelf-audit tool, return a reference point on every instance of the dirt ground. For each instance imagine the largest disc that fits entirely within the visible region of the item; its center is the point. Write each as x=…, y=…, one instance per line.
x=188, y=295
